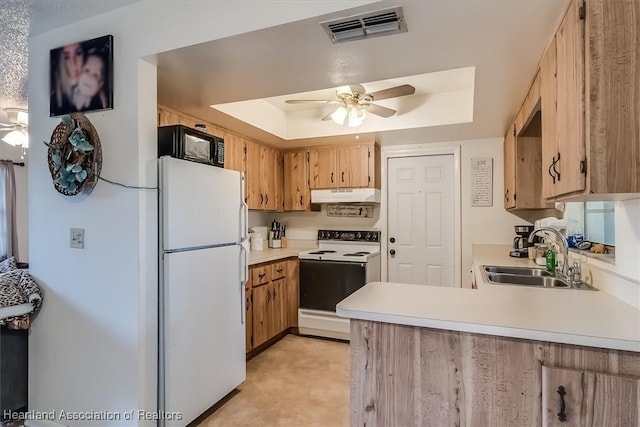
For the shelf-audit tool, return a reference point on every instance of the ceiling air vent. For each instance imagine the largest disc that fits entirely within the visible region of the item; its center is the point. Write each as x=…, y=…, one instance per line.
x=372, y=24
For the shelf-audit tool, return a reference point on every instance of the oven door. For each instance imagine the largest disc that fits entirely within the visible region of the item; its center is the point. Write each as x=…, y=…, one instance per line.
x=323, y=284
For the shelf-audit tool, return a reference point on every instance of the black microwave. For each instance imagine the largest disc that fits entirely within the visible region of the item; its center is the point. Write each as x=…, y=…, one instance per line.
x=190, y=144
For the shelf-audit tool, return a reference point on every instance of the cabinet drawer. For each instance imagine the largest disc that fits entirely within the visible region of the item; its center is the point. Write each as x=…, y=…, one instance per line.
x=260, y=275
x=278, y=270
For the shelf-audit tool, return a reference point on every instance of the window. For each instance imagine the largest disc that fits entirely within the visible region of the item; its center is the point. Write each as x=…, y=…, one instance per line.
x=599, y=222
x=594, y=220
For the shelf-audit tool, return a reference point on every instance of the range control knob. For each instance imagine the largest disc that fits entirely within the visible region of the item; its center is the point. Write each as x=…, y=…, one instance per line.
x=336, y=234
x=358, y=236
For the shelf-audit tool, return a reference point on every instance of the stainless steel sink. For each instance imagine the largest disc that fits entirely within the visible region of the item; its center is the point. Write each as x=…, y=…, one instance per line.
x=540, y=281
x=520, y=271
x=524, y=276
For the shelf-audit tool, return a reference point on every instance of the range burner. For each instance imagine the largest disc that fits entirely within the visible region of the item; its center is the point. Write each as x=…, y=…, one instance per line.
x=322, y=252
x=358, y=253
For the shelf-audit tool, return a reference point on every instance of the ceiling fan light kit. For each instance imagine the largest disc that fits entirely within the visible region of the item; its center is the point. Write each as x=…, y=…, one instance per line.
x=16, y=128
x=355, y=102
x=17, y=137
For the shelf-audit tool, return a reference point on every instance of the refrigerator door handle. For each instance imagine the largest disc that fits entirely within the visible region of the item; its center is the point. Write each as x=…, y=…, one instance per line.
x=244, y=213
x=244, y=273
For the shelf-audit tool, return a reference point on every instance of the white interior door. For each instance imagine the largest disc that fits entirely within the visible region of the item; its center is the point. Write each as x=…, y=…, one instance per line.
x=421, y=220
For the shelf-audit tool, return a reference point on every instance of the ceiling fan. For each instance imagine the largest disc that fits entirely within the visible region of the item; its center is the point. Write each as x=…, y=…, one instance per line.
x=354, y=102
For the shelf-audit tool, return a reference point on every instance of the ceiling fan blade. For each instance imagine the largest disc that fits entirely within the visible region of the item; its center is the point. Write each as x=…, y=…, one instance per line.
x=327, y=117
x=379, y=110
x=311, y=101
x=393, y=92
x=6, y=125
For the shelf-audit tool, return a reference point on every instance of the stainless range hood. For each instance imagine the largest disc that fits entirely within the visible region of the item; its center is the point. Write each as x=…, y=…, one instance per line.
x=346, y=195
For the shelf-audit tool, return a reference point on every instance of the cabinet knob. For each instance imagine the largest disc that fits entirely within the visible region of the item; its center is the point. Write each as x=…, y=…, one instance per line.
x=392, y=240
x=392, y=252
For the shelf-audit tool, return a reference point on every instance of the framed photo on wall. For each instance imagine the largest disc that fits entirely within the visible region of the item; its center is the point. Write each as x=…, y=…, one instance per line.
x=81, y=77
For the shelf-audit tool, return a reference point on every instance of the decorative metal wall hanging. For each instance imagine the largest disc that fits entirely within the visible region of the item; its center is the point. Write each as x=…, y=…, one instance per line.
x=75, y=155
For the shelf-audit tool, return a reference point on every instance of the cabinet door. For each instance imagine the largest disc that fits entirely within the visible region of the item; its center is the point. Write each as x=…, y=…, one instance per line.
x=279, y=181
x=268, y=178
x=323, y=168
x=570, y=101
x=248, y=305
x=234, y=152
x=296, y=181
x=255, y=198
x=589, y=399
x=354, y=166
x=262, y=319
x=292, y=293
x=278, y=312
x=549, y=112
x=509, y=168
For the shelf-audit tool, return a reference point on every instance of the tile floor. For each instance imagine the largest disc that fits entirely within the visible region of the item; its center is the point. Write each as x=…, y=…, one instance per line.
x=297, y=382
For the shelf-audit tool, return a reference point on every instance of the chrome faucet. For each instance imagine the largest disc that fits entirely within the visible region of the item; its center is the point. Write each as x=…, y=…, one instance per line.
x=569, y=273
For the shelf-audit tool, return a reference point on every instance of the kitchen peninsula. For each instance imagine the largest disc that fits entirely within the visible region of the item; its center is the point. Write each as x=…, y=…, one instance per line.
x=495, y=356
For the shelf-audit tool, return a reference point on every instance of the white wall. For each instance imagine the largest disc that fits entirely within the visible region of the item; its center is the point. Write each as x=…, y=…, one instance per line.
x=628, y=239
x=93, y=345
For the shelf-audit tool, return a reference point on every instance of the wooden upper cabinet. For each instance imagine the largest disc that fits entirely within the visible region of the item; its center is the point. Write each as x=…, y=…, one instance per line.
x=235, y=152
x=570, y=103
x=279, y=181
x=529, y=107
x=296, y=181
x=613, y=97
x=549, y=113
x=323, y=166
x=268, y=164
x=589, y=398
x=254, y=198
x=509, y=168
x=354, y=166
x=346, y=166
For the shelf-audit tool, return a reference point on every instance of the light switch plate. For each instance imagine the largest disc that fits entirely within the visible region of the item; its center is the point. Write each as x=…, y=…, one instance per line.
x=77, y=238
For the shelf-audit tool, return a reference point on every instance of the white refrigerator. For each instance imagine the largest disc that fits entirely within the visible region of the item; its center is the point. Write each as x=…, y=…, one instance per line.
x=203, y=267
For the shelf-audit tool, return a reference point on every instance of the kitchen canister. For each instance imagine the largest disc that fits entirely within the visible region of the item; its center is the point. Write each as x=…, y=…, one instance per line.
x=257, y=242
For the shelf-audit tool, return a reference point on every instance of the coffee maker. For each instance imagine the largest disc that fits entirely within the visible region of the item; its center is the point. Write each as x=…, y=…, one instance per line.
x=521, y=241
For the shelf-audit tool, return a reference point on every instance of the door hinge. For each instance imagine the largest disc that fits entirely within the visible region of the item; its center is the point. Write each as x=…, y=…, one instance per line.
x=582, y=11
x=369, y=178
x=515, y=197
x=514, y=131
x=583, y=166
x=369, y=153
x=244, y=149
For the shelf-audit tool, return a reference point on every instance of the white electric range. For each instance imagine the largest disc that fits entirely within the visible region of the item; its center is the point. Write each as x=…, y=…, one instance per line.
x=343, y=263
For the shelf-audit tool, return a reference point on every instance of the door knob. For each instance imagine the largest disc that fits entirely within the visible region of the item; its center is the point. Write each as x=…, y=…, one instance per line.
x=392, y=252
x=392, y=240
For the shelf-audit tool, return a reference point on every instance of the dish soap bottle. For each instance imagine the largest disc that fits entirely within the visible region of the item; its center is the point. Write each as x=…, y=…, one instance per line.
x=550, y=257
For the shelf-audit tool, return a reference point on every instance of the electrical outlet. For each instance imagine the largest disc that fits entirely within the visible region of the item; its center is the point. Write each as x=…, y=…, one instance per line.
x=77, y=238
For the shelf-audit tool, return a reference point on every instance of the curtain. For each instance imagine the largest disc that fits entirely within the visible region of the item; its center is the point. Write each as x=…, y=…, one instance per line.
x=8, y=232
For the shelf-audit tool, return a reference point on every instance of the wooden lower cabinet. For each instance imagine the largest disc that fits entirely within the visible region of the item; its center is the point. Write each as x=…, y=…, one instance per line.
x=576, y=398
x=248, y=323
x=273, y=299
x=293, y=290
x=262, y=296
x=409, y=376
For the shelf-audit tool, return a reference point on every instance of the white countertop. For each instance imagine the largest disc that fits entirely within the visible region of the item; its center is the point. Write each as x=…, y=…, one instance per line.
x=268, y=255
x=580, y=317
